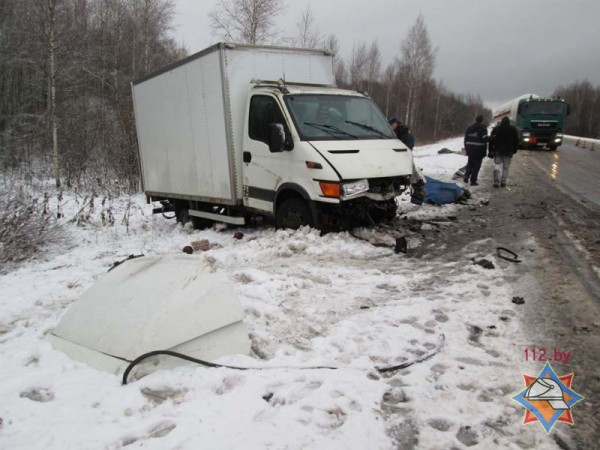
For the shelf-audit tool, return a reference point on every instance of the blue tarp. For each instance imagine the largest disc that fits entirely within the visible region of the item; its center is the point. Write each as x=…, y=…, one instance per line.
x=441, y=193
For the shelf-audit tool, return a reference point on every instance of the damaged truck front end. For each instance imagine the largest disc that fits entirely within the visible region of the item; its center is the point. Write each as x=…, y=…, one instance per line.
x=373, y=204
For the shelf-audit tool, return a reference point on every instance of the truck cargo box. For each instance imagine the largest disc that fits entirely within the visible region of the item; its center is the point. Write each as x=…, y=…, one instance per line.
x=190, y=116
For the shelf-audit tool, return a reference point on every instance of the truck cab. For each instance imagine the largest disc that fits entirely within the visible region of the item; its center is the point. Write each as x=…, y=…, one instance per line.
x=320, y=156
x=541, y=121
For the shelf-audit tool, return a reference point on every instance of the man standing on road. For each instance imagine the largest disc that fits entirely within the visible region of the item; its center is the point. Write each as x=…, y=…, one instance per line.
x=476, y=139
x=504, y=143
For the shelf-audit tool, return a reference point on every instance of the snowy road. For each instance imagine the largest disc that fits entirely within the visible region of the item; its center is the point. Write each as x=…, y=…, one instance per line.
x=560, y=282
x=573, y=169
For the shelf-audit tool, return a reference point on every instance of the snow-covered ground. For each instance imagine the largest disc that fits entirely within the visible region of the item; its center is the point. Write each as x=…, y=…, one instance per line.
x=308, y=301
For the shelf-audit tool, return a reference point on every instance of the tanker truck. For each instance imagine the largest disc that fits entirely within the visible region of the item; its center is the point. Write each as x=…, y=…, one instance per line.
x=540, y=121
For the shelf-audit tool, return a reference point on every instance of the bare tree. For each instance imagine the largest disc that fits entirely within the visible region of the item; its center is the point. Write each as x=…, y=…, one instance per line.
x=48, y=15
x=331, y=44
x=358, y=65
x=417, y=63
x=441, y=92
x=65, y=73
x=247, y=21
x=308, y=35
x=373, y=69
x=389, y=76
x=584, y=100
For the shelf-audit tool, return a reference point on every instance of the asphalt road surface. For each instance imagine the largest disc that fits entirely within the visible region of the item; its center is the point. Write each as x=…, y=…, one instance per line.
x=558, y=195
x=574, y=170
x=549, y=214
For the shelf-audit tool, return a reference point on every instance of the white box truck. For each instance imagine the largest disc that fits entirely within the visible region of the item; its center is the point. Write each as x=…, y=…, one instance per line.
x=237, y=131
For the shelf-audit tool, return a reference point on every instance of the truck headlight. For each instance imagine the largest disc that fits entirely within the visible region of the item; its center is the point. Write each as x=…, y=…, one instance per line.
x=356, y=188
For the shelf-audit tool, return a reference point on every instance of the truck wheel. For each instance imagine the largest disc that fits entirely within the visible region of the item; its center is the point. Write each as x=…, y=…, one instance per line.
x=552, y=148
x=293, y=213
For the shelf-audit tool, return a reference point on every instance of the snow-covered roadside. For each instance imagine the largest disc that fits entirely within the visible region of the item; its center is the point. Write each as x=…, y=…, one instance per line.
x=580, y=141
x=308, y=300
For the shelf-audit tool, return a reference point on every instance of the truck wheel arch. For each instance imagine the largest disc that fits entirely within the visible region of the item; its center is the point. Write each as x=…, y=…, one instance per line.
x=292, y=190
x=287, y=190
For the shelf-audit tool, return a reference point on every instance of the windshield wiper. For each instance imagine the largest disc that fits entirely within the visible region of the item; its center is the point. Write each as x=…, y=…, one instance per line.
x=368, y=127
x=331, y=129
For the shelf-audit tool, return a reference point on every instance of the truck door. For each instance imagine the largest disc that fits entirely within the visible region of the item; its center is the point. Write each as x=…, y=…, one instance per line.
x=263, y=170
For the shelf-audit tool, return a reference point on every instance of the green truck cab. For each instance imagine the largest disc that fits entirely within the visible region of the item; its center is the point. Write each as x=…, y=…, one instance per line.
x=540, y=121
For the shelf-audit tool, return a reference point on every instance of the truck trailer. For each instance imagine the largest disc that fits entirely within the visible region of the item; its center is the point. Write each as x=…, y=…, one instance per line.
x=540, y=121
x=236, y=131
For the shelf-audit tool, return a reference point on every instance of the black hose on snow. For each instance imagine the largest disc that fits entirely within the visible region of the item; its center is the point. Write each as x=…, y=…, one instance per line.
x=500, y=251
x=202, y=362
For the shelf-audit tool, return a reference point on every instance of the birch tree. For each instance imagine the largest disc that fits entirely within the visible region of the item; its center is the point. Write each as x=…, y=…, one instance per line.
x=358, y=66
x=417, y=63
x=246, y=21
x=373, y=63
x=389, y=76
x=308, y=35
x=331, y=44
x=49, y=11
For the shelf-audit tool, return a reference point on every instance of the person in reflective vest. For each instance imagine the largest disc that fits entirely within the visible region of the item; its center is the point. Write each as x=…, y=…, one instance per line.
x=476, y=139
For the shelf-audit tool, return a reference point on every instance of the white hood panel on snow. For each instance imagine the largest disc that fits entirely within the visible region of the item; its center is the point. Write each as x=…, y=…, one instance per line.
x=168, y=302
x=374, y=158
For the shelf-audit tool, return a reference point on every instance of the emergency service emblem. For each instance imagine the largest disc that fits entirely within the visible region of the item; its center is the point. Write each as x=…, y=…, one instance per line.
x=548, y=398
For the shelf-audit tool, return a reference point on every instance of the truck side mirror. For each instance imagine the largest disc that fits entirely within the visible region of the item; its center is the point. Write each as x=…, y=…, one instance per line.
x=276, y=137
x=568, y=109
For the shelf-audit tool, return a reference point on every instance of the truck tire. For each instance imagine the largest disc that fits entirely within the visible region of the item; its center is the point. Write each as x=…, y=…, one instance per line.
x=293, y=213
x=552, y=148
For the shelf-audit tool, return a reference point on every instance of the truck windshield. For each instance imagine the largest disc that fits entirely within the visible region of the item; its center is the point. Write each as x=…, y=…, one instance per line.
x=553, y=108
x=320, y=117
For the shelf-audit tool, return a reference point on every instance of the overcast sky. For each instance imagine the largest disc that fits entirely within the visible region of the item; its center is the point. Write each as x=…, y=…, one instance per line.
x=498, y=49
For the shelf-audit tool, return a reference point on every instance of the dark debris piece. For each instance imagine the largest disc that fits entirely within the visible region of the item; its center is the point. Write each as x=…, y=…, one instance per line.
x=401, y=245
x=474, y=333
x=518, y=300
x=486, y=264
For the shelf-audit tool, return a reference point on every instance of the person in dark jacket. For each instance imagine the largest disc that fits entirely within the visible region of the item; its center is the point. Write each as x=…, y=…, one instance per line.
x=417, y=180
x=402, y=132
x=476, y=139
x=504, y=143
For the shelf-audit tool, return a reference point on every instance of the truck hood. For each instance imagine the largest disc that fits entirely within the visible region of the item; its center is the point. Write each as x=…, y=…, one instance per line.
x=366, y=158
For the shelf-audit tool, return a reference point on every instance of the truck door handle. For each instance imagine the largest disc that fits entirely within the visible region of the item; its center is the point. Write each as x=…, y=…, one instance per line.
x=247, y=157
